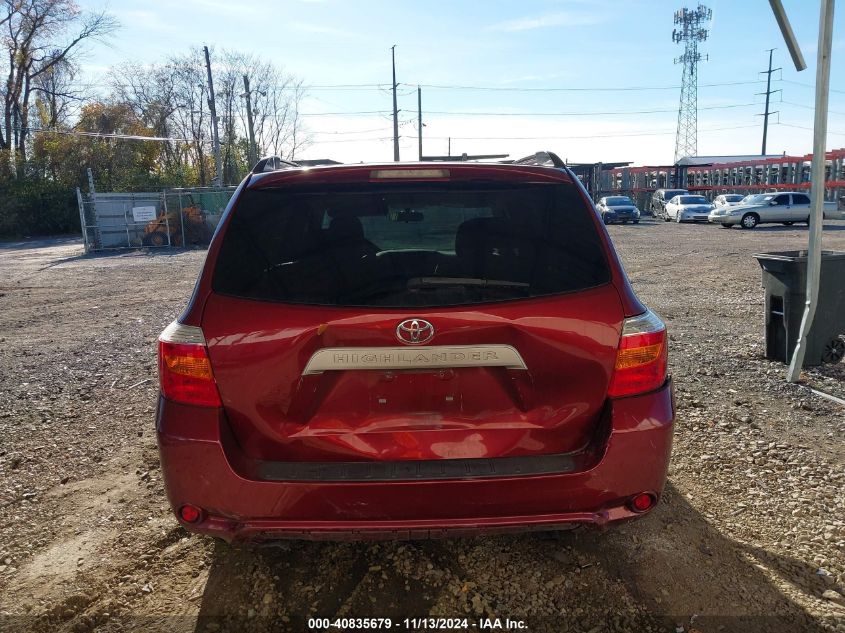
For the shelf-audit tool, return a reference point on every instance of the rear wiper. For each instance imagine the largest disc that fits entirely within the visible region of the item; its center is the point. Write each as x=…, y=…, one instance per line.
x=432, y=282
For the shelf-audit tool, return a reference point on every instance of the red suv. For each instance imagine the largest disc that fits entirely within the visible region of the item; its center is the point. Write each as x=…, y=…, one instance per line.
x=412, y=350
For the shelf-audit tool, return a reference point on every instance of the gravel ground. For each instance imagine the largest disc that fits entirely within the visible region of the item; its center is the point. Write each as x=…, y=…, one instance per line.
x=750, y=534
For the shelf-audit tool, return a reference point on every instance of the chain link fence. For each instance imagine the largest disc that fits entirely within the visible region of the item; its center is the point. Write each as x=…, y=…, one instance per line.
x=163, y=219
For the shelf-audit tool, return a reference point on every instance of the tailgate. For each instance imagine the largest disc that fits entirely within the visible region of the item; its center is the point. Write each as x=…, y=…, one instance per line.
x=376, y=398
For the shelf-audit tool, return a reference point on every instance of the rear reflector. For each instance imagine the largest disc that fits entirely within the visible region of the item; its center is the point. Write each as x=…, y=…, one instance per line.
x=190, y=514
x=642, y=502
x=642, y=357
x=408, y=174
x=184, y=368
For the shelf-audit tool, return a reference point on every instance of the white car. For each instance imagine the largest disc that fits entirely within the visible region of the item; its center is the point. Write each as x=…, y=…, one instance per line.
x=727, y=200
x=786, y=208
x=687, y=208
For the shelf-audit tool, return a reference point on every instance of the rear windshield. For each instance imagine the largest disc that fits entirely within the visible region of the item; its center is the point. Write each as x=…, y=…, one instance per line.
x=393, y=245
x=692, y=200
x=620, y=201
x=732, y=198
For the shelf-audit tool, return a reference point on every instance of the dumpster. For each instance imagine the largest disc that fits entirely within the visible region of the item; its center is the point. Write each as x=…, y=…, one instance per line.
x=785, y=282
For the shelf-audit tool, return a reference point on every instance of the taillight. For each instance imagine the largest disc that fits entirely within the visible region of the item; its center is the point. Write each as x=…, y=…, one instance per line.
x=184, y=369
x=642, y=357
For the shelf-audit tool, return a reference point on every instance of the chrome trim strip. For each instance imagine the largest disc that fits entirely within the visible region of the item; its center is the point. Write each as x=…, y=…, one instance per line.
x=428, y=357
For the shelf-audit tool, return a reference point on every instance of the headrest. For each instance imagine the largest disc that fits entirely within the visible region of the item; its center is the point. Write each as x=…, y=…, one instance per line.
x=344, y=228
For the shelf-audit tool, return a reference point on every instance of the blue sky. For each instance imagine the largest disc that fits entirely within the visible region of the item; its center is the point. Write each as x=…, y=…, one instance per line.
x=506, y=44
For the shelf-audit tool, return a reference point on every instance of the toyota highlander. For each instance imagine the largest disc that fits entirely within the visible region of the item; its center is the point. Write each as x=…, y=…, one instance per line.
x=410, y=351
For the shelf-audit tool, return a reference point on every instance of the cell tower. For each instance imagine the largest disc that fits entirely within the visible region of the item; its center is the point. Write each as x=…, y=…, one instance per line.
x=689, y=30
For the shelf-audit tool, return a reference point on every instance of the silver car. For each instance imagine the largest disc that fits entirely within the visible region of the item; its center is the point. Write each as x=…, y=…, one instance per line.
x=785, y=208
x=687, y=208
x=727, y=200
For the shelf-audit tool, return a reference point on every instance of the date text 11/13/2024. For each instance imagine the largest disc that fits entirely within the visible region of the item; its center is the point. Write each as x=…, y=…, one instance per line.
x=418, y=624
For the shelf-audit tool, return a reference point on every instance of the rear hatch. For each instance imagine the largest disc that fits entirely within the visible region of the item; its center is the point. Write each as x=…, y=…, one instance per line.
x=412, y=320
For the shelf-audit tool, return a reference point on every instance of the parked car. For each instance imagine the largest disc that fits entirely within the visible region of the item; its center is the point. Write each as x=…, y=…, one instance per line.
x=727, y=200
x=785, y=208
x=619, y=209
x=687, y=208
x=659, y=199
x=412, y=350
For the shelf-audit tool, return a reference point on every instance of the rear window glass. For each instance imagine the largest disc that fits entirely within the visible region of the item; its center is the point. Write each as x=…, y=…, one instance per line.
x=393, y=245
x=692, y=200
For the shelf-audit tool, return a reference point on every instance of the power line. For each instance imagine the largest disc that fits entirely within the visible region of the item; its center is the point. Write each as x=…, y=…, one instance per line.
x=804, y=127
x=359, y=113
x=798, y=83
x=584, y=89
x=620, y=135
x=386, y=87
x=809, y=107
x=586, y=113
x=107, y=135
x=378, y=129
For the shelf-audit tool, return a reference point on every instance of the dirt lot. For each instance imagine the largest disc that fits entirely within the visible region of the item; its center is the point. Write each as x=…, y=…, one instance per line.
x=750, y=535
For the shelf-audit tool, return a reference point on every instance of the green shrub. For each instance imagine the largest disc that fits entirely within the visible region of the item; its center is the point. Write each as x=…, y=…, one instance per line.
x=37, y=208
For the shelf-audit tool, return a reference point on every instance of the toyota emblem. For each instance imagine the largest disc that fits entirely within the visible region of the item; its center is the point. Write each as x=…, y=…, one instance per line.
x=415, y=331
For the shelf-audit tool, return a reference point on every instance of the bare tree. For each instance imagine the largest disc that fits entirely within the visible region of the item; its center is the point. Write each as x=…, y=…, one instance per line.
x=39, y=35
x=151, y=92
x=228, y=87
x=274, y=97
x=191, y=119
x=279, y=129
x=56, y=94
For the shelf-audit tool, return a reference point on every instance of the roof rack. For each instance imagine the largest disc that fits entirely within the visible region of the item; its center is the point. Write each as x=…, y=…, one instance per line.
x=272, y=163
x=544, y=158
x=461, y=158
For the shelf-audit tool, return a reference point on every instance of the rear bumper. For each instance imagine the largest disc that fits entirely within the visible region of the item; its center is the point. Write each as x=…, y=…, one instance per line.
x=202, y=466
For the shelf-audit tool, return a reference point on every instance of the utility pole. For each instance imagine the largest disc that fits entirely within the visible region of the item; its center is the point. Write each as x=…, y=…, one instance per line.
x=419, y=118
x=768, y=92
x=218, y=160
x=253, y=158
x=395, y=111
x=449, y=147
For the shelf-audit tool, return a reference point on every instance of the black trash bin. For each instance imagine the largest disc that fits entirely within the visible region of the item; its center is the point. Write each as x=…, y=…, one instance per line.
x=785, y=282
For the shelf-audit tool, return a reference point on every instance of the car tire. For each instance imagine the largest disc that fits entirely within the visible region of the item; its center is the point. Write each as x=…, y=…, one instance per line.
x=726, y=226
x=605, y=219
x=787, y=223
x=834, y=351
x=636, y=221
x=665, y=217
x=749, y=220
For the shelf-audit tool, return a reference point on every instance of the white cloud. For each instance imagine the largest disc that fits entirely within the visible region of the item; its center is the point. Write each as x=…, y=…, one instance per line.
x=319, y=29
x=150, y=20
x=560, y=18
